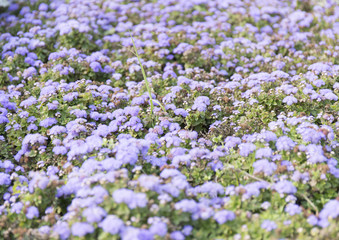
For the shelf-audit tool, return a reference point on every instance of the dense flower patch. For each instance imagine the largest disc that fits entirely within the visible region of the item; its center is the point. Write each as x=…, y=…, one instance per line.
x=246, y=149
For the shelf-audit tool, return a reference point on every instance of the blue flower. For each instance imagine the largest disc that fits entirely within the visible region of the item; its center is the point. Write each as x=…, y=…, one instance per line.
x=312, y=220
x=292, y=209
x=5, y=179
x=268, y=225
x=28, y=102
x=331, y=209
x=264, y=153
x=159, y=228
x=223, y=216
x=177, y=236
x=29, y=72
x=187, y=230
x=186, y=205
x=246, y=148
x=94, y=214
x=96, y=67
x=231, y=142
x=130, y=198
x=201, y=103
x=265, y=166
x=112, y=224
x=62, y=229
x=32, y=212
x=48, y=122
x=81, y=229
x=289, y=100
x=17, y=207
x=285, y=186
x=285, y=143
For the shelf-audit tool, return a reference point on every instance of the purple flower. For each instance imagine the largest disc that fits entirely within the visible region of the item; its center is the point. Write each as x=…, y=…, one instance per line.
x=246, y=148
x=43, y=7
x=285, y=143
x=48, y=122
x=31, y=119
x=331, y=96
x=285, y=186
x=310, y=135
x=264, y=153
x=32, y=127
x=53, y=105
x=29, y=72
x=293, y=209
x=315, y=153
x=159, y=228
x=81, y=229
x=331, y=209
x=187, y=230
x=298, y=176
x=181, y=159
x=21, y=51
x=312, y=220
x=62, y=229
x=180, y=111
x=56, y=130
x=32, y=212
x=253, y=189
x=265, y=166
x=33, y=139
x=319, y=67
x=289, y=100
x=3, y=119
x=44, y=229
x=201, y=103
x=177, y=236
x=112, y=224
x=94, y=214
x=96, y=67
x=79, y=113
x=167, y=173
x=94, y=142
x=268, y=225
x=148, y=181
x=223, y=216
x=17, y=207
x=130, y=198
x=268, y=136
x=213, y=189
x=23, y=114
x=70, y=96
x=28, y=102
x=186, y=205
x=131, y=233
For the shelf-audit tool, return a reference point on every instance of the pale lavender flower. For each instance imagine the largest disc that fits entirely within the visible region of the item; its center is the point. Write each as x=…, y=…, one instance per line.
x=268, y=225
x=81, y=229
x=285, y=143
x=112, y=224
x=265, y=166
x=223, y=216
x=292, y=209
x=289, y=100
x=32, y=212
x=285, y=187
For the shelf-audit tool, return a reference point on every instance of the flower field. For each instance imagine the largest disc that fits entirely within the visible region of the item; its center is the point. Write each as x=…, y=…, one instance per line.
x=224, y=124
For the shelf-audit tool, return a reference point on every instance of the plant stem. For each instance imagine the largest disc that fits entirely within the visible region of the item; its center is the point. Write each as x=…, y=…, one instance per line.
x=310, y=202
x=144, y=75
x=149, y=90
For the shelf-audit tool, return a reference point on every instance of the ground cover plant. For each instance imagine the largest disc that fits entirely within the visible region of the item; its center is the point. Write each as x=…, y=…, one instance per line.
x=169, y=119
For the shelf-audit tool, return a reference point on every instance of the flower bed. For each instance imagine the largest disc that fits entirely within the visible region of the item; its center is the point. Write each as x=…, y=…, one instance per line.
x=242, y=141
